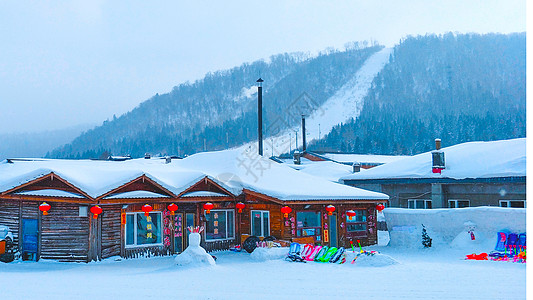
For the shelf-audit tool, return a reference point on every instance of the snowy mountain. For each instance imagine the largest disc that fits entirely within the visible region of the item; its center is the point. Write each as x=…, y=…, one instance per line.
x=220, y=111
x=364, y=99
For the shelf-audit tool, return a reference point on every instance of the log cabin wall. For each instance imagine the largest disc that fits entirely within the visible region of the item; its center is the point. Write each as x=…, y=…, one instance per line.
x=10, y=217
x=287, y=228
x=64, y=233
x=277, y=229
x=111, y=230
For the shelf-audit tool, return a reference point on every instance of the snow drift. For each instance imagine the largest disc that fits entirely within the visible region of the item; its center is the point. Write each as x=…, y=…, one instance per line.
x=450, y=227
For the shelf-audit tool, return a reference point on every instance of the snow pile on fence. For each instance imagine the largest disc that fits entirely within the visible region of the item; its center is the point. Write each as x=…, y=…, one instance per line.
x=453, y=227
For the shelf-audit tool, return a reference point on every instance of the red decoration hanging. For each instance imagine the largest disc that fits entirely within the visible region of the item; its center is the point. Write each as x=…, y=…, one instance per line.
x=330, y=209
x=350, y=213
x=208, y=207
x=44, y=207
x=147, y=208
x=380, y=207
x=96, y=210
x=240, y=206
x=286, y=211
x=172, y=207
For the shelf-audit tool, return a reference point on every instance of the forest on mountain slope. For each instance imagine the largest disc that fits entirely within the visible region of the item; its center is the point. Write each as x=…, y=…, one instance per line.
x=458, y=88
x=220, y=110
x=455, y=87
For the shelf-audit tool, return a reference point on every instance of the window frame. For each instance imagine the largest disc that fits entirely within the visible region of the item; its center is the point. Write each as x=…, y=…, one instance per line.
x=226, y=215
x=456, y=201
x=262, y=222
x=318, y=229
x=364, y=222
x=426, y=201
x=508, y=201
x=135, y=230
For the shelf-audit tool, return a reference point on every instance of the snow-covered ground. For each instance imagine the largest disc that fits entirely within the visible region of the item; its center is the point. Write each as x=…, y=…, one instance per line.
x=420, y=274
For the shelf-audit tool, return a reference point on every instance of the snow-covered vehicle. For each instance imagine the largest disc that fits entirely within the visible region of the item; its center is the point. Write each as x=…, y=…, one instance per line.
x=7, y=248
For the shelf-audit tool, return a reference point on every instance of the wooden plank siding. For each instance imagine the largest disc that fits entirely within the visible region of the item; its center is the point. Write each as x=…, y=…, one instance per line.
x=64, y=234
x=10, y=217
x=111, y=231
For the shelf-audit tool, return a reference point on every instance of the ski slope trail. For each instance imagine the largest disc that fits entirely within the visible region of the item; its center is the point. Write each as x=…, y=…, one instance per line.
x=344, y=105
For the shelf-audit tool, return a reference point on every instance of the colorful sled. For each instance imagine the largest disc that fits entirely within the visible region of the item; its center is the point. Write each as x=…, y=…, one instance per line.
x=313, y=253
x=308, y=248
x=294, y=253
x=321, y=253
x=336, y=257
x=521, y=242
x=329, y=254
x=502, y=239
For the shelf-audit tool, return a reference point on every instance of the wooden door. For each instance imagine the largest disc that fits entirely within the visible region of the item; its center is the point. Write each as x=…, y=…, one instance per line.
x=30, y=239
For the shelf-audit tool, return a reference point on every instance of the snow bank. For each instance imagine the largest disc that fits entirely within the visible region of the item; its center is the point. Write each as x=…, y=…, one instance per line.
x=376, y=260
x=450, y=227
x=264, y=254
x=194, y=255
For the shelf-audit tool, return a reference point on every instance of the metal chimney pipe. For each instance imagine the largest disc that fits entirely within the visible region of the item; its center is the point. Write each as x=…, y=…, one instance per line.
x=260, y=114
x=304, y=144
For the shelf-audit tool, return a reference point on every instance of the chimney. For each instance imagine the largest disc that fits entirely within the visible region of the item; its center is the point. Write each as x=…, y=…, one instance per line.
x=147, y=156
x=437, y=144
x=304, y=144
x=297, y=157
x=437, y=156
x=260, y=115
x=356, y=167
x=168, y=159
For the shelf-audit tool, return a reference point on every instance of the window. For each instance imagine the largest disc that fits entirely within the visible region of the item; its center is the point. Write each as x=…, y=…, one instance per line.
x=458, y=203
x=356, y=223
x=220, y=225
x=308, y=224
x=260, y=223
x=142, y=230
x=513, y=203
x=419, y=203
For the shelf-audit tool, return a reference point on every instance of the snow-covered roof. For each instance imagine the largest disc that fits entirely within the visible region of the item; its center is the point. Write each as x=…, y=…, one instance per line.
x=505, y=158
x=246, y=170
x=363, y=158
x=233, y=170
x=136, y=194
x=203, y=194
x=50, y=193
x=329, y=170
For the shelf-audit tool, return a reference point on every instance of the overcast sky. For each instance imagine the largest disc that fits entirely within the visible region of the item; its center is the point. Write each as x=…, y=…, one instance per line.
x=64, y=63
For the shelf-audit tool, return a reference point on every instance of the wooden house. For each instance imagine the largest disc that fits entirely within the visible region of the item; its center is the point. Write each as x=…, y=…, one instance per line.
x=464, y=175
x=80, y=210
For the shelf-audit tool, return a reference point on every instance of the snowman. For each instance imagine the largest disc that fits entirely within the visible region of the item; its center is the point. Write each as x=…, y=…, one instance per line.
x=194, y=254
x=467, y=237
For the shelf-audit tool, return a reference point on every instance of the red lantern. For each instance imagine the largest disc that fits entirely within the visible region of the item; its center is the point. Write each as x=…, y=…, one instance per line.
x=147, y=208
x=240, y=206
x=172, y=207
x=380, y=207
x=44, y=207
x=96, y=210
x=330, y=209
x=208, y=207
x=286, y=211
x=350, y=213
